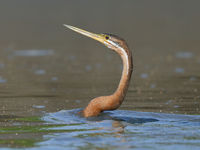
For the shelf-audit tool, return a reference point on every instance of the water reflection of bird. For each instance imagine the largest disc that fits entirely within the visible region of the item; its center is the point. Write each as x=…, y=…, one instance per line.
x=111, y=102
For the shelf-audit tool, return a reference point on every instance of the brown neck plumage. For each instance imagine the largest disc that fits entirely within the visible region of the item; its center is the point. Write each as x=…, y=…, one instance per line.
x=102, y=103
x=125, y=77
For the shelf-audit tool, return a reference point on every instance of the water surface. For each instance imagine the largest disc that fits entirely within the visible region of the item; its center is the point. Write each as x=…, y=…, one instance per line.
x=48, y=72
x=111, y=130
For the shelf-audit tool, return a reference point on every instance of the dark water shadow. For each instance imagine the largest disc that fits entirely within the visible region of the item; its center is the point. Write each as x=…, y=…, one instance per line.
x=131, y=120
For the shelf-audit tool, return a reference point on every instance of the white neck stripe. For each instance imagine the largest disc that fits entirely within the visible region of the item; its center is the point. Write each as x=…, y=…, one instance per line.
x=123, y=51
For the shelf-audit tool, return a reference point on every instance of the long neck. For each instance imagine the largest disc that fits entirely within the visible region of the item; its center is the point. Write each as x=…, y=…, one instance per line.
x=113, y=101
x=126, y=75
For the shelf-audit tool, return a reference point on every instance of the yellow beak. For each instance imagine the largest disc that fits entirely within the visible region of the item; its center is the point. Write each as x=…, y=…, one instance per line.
x=98, y=37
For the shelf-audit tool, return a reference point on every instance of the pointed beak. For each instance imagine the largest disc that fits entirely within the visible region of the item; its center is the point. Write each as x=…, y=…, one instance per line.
x=94, y=36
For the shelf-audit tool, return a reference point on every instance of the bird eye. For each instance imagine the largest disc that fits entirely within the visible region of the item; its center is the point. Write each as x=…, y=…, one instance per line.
x=107, y=37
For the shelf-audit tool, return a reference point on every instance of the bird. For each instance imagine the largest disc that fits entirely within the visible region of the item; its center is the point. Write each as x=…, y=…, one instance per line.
x=113, y=101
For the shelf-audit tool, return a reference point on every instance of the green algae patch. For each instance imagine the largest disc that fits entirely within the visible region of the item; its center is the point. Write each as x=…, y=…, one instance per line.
x=10, y=118
x=46, y=128
x=19, y=142
x=29, y=119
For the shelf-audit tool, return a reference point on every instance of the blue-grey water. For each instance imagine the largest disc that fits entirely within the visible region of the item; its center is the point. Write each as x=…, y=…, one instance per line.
x=126, y=130
x=119, y=129
x=49, y=73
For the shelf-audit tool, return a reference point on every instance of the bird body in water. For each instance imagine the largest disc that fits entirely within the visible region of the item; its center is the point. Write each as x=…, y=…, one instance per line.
x=111, y=102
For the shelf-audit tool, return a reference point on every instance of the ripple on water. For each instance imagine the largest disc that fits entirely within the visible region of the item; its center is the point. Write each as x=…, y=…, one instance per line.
x=152, y=85
x=185, y=55
x=2, y=66
x=144, y=75
x=179, y=70
x=54, y=78
x=33, y=52
x=38, y=106
x=40, y=72
x=2, y=80
x=124, y=130
x=193, y=78
x=88, y=67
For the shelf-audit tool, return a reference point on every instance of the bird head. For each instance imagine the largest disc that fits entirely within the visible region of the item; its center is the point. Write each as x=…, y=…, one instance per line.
x=109, y=40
